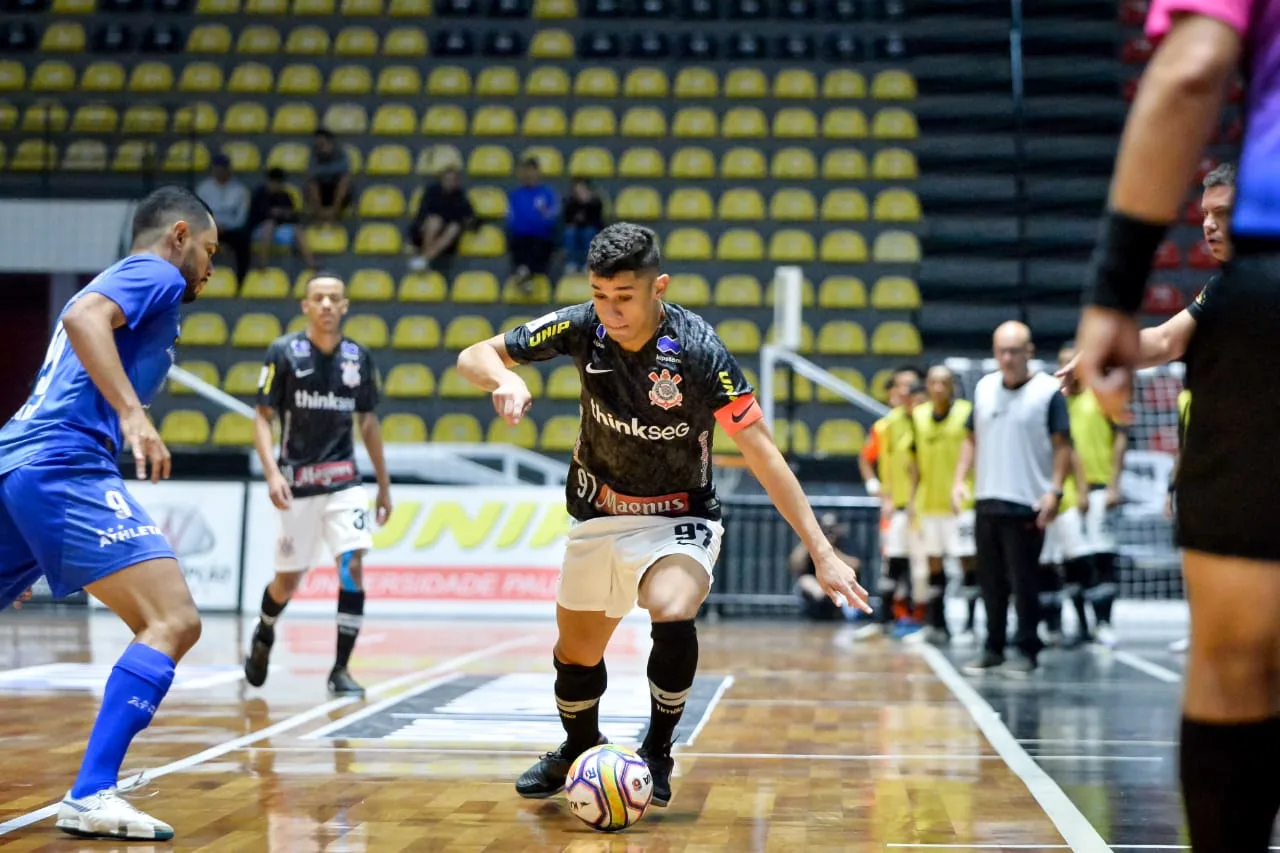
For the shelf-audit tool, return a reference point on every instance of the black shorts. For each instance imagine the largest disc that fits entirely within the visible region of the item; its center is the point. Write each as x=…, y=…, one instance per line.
x=1230, y=469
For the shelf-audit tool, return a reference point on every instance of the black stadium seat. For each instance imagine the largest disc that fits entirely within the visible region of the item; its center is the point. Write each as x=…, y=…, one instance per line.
x=163, y=38
x=650, y=45
x=500, y=43
x=16, y=36
x=453, y=43
x=842, y=47
x=747, y=46
x=700, y=10
x=797, y=10
x=595, y=45
x=604, y=9
x=697, y=46
x=794, y=47
x=112, y=38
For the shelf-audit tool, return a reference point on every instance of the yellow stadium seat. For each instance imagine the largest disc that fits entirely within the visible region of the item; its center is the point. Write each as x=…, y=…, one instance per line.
x=740, y=244
x=842, y=291
x=389, y=160
x=572, y=289
x=555, y=9
x=646, y=83
x=595, y=83
x=361, y=8
x=489, y=161
x=839, y=437
x=466, y=330
x=746, y=83
x=217, y=7
x=841, y=337
x=144, y=119
x=206, y=329
x=446, y=81
x=405, y=42
x=201, y=117
x=699, y=83
x=893, y=85
x=895, y=293
x=689, y=204
x=591, y=162
x=350, y=80
x=844, y=164
x=132, y=155
x=242, y=378
x=234, y=430
x=791, y=245
x=559, y=434
x=593, y=121
x=422, y=287
x=803, y=388
x=739, y=336
x=209, y=38
x=488, y=121
x=792, y=437
x=686, y=289
x=446, y=120
x=45, y=116
x=416, y=332
x=738, y=291
x=34, y=155
x=63, y=37
x=73, y=7
x=792, y=206
x=371, y=285
x=314, y=8
x=101, y=76
x=205, y=371
x=894, y=123
x=488, y=241
x=331, y=239
x=843, y=84
x=843, y=246
x=791, y=164
x=184, y=427
x=806, y=293
x=352, y=119
x=404, y=428
x=294, y=118
x=395, y=120
x=896, y=247
x=54, y=75
x=744, y=123
x=695, y=123
x=269, y=283
x=409, y=8
x=795, y=123
x=151, y=77
x=550, y=160
x=250, y=78
x=204, y=77
x=402, y=80
x=641, y=163
x=307, y=41
x=897, y=205
x=687, y=244
x=455, y=428
x=95, y=118
x=795, y=84
x=848, y=374
x=894, y=164
x=258, y=41
x=453, y=386
x=13, y=77
x=183, y=156
x=245, y=118
x=488, y=202
x=896, y=338
x=409, y=382
x=255, y=330
x=693, y=163
x=356, y=41
x=368, y=330
x=276, y=8
x=844, y=206
x=644, y=122
x=551, y=44
x=537, y=295
x=475, y=287
x=564, y=383
x=222, y=284
x=85, y=155
x=741, y=204
x=382, y=201
x=638, y=204
x=523, y=434
x=378, y=238
x=290, y=156
x=544, y=121
x=743, y=164
x=844, y=123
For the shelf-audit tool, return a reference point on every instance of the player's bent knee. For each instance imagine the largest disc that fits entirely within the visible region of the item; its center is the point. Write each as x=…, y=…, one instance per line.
x=285, y=585
x=674, y=588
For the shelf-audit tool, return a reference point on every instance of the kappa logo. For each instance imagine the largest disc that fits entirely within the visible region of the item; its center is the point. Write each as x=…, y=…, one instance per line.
x=665, y=393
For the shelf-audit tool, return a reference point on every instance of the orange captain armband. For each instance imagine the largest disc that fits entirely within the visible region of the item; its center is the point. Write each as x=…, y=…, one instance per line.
x=741, y=413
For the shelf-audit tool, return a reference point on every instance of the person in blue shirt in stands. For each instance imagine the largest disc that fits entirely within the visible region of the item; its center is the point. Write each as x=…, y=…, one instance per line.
x=64, y=510
x=533, y=213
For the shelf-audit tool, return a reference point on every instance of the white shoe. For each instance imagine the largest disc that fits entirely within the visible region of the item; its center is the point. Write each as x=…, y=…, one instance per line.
x=1105, y=635
x=108, y=815
x=1179, y=647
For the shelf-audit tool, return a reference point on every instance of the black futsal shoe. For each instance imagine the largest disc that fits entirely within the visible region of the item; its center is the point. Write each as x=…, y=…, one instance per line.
x=546, y=777
x=255, y=665
x=660, y=766
x=985, y=662
x=342, y=684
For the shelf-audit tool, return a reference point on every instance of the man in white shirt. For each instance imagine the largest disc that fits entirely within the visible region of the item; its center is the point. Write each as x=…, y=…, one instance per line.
x=228, y=198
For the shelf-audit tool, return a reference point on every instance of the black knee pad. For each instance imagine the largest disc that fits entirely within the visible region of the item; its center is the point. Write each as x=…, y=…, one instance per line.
x=578, y=683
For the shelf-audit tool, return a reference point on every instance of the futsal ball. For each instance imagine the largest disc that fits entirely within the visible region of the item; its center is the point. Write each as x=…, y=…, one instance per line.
x=609, y=787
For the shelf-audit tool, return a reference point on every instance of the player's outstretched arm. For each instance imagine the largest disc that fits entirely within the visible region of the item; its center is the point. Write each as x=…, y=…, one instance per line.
x=487, y=365
x=371, y=434
x=90, y=325
x=838, y=578
x=1156, y=345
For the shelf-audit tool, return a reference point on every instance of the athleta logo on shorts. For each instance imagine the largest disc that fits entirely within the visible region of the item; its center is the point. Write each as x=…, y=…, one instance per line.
x=323, y=474
x=124, y=534
x=607, y=500
x=648, y=432
x=330, y=402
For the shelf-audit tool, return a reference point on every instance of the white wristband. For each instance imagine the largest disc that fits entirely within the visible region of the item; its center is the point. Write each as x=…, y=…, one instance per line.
x=873, y=487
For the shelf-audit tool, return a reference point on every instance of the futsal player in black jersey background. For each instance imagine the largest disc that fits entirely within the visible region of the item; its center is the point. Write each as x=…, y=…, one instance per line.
x=655, y=382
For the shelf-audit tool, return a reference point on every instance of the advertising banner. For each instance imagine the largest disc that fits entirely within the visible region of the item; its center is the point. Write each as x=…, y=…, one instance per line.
x=446, y=550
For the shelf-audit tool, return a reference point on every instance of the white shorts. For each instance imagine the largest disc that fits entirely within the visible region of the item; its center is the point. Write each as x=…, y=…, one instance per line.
x=895, y=535
x=605, y=558
x=337, y=522
x=1070, y=537
x=948, y=535
x=1099, y=525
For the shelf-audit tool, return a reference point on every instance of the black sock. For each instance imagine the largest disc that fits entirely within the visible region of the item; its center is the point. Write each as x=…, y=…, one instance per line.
x=1051, y=598
x=578, y=692
x=350, y=617
x=1229, y=784
x=1104, y=593
x=900, y=573
x=271, y=610
x=885, y=586
x=937, y=600
x=672, y=664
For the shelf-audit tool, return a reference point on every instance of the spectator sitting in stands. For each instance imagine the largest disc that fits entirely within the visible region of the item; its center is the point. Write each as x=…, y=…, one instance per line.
x=443, y=214
x=273, y=220
x=814, y=603
x=583, y=220
x=329, y=188
x=228, y=198
x=532, y=212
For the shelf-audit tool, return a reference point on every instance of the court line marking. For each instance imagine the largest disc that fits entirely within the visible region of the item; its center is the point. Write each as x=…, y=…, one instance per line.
x=378, y=707
x=1080, y=835
x=301, y=718
x=1143, y=665
x=1091, y=742
x=922, y=846
x=725, y=684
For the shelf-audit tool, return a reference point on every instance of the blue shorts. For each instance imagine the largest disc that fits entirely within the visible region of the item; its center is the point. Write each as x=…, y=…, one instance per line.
x=69, y=517
x=282, y=236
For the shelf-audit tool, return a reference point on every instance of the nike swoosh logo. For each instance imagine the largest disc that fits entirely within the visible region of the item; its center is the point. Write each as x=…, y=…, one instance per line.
x=591, y=368
x=737, y=419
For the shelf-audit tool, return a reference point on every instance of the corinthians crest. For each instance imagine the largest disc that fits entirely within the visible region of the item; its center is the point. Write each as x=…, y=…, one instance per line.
x=351, y=374
x=665, y=392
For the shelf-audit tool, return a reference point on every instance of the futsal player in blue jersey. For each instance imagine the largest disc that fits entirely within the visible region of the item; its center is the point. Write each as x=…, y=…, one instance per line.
x=64, y=510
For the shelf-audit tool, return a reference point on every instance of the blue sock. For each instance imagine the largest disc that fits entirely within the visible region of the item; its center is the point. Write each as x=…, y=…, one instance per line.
x=138, y=683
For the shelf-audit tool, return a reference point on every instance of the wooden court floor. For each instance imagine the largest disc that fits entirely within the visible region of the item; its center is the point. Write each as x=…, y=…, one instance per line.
x=795, y=740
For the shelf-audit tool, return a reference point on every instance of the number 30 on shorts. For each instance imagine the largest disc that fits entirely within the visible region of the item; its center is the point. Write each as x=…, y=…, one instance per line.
x=689, y=532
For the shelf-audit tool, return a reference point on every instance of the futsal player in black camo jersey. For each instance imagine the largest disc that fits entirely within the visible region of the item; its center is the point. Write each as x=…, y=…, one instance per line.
x=655, y=381
x=316, y=380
